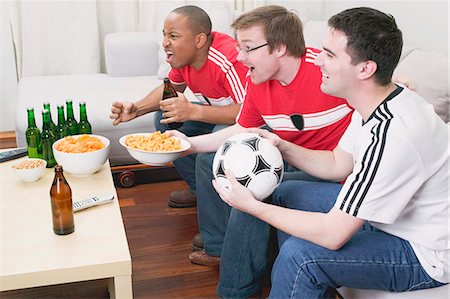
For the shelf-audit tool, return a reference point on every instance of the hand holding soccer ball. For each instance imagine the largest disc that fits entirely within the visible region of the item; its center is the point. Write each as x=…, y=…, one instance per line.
x=237, y=196
x=254, y=161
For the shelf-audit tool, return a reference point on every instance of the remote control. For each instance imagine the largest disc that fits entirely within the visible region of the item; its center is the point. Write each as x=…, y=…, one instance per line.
x=13, y=154
x=91, y=202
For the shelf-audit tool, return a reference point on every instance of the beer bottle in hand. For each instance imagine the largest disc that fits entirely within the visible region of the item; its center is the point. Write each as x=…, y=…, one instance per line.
x=170, y=92
x=61, y=199
x=84, y=127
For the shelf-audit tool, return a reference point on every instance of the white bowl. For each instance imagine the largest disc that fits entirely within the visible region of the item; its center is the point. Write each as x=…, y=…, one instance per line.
x=82, y=163
x=30, y=175
x=154, y=158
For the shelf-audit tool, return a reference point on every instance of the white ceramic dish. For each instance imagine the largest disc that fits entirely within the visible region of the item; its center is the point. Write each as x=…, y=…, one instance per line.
x=154, y=158
x=30, y=175
x=82, y=163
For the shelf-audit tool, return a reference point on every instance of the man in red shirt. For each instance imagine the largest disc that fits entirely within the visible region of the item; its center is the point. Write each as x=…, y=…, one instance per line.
x=204, y=61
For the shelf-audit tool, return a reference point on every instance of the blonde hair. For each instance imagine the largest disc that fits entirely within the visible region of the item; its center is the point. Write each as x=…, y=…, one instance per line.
x=280, y=26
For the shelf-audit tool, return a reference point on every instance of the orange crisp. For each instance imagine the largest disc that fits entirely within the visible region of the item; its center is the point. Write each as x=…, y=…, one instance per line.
x=83, y=144
x=154, y=142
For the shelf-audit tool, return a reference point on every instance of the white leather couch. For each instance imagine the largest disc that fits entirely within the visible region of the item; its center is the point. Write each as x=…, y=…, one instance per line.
x=122, y=81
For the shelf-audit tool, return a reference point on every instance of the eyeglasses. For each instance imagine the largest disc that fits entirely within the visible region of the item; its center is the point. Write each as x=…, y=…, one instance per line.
x=247, y=49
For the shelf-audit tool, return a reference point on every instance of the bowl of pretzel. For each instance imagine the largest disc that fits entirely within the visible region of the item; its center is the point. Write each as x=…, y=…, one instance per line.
x=156, y=149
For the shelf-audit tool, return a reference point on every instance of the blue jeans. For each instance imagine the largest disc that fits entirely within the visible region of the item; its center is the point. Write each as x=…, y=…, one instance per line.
x=371, y=259
x=239, y=239
x=186, y=165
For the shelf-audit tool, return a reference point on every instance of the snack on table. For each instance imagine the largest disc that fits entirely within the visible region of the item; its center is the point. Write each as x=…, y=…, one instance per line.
x=154, y=142
x=29, y=164
x=83, y=144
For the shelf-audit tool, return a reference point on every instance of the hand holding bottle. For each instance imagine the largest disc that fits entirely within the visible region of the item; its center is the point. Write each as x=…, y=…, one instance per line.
x=170, y=113
x=123, y=112
x=175, y=110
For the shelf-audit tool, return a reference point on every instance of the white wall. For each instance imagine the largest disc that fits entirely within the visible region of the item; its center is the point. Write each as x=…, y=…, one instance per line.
x=8, y=78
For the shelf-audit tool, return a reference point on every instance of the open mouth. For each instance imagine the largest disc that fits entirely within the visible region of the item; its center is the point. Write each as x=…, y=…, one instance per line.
x=169, y=56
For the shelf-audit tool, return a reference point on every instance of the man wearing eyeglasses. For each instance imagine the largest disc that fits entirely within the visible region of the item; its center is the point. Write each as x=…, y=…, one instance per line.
x=284, y=94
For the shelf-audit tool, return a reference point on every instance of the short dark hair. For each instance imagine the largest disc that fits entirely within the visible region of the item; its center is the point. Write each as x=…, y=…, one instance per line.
x=371, y=35
x=281, y=27
x=198, y=19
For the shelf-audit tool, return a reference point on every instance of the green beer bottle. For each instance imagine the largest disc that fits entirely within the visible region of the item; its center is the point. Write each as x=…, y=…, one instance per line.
x=71, y=123
x=84, y=127
x=47, y=140
x=33, y=136
x=53, y=127
x=61, y=127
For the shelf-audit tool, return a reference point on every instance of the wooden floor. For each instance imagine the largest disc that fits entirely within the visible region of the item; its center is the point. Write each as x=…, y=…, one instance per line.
x=160, y=240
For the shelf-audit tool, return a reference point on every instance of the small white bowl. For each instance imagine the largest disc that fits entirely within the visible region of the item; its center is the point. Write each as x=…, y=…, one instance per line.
x=154, y=158
x=82, y=163
x=30, y=175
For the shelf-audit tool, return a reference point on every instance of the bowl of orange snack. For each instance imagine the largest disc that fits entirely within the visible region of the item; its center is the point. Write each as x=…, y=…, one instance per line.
x=155, y=149
x=81, y=154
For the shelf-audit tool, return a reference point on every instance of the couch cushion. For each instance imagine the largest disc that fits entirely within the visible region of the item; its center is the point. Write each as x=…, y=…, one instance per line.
x=429, y=72
x=131, y=54
x=99, y=91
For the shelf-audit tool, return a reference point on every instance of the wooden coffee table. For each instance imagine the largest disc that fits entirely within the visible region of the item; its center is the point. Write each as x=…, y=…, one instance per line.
x=32, y=255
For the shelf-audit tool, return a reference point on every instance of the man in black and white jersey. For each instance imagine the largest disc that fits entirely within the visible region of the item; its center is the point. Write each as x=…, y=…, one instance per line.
x=386, y=227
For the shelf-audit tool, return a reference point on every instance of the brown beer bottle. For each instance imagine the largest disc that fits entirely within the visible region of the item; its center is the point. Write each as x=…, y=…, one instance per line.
x=170, y=92
x=61, y=198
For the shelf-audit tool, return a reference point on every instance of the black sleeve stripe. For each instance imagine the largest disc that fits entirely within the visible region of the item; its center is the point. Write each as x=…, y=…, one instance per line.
x=358, y=175
x=371, y=152
x=364, y=179
x=377, y=164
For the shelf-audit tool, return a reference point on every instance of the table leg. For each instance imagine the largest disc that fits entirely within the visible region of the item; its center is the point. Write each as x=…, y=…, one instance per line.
x=120, y=287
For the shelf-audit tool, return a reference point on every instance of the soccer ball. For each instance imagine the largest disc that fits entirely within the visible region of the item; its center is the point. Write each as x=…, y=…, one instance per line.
x=256, y=163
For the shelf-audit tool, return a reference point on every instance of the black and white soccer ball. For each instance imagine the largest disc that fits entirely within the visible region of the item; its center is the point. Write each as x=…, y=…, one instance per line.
x=256, y=163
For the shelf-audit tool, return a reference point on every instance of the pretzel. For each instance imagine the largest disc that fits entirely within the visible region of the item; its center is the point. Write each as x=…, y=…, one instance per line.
x=155, y=142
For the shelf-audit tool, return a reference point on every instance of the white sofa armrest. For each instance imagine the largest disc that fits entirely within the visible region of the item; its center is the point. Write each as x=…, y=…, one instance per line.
x=131, y=54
